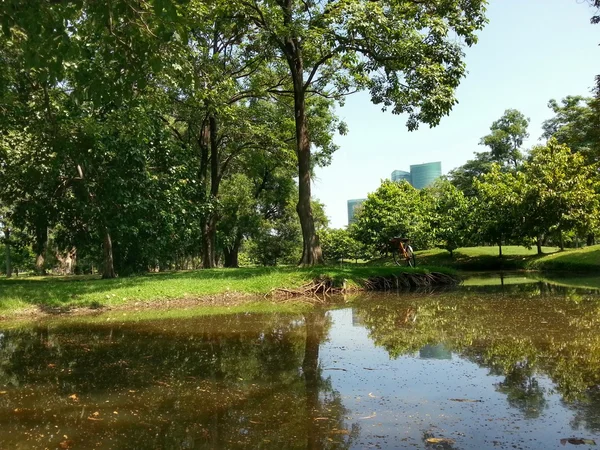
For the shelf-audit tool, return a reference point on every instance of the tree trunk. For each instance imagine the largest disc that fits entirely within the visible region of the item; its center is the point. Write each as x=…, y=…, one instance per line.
x=208, y=242
x=562, y=241
x=8, y=261
x=41, y=244
x=591, y=239
x=538, y=244
x=311, y=249
x=109, y=267
x=209, y=231
x=232, y=253
x=500, y=248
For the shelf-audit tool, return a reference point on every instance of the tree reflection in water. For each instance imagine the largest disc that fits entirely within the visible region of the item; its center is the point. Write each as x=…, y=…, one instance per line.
x=239, y=381
x=519, y=332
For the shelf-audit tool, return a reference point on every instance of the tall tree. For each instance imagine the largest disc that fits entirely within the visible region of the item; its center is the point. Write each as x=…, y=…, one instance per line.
x=498, y=206
x=575, y=124
x=561, y=193
x=507, y=136
x=462, y=177
x=450, y=215
x=405, y=53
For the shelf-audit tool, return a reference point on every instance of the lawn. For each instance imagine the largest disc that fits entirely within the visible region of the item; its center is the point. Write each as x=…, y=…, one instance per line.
x=482, y=258
x=581, y=259
x=514, y=258
x=68, y=292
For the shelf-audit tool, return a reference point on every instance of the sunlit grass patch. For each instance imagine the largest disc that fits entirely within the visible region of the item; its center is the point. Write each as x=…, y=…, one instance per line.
x=86, y=292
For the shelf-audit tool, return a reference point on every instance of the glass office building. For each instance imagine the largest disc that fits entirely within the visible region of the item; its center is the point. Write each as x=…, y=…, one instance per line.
x=420, y=175
x=353, y=205
x=401, y=175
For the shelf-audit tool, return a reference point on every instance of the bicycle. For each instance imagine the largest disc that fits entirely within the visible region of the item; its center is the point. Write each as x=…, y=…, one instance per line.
x=402, y=252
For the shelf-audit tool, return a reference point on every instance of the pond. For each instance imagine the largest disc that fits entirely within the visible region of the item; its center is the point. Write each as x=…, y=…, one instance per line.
x=511, y=362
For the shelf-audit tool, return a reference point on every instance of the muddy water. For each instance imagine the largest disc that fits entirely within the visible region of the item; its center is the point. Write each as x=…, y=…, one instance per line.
x=509, y=362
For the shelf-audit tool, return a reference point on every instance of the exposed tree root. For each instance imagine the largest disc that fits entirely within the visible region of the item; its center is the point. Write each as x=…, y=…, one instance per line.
x=318, y=290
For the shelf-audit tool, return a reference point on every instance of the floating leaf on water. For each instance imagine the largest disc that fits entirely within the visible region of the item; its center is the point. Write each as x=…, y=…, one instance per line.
x=342, y=431
x=577, y=441
x=466, y=400
x=440, y=441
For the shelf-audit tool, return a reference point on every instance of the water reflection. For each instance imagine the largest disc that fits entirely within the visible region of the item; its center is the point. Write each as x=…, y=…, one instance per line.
x=228, y=382
x=517, y=364
x=541, y=341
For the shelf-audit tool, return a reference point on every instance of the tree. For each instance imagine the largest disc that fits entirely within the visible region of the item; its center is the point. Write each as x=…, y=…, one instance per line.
x=561, y=193
x=506, y=137
x=498, y=209
x=394, y=209
x=575, y=124
x=339, y=244
x=462, y=177
x=450, y=217
x=405, y=54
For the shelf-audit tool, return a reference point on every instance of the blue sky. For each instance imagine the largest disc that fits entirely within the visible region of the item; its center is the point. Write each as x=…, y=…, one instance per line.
x=530, y=52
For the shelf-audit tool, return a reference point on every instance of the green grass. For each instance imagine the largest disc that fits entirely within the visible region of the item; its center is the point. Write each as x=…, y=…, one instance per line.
x=514, y=258
x=68, y=292
x=475, y=258
x=582, y=259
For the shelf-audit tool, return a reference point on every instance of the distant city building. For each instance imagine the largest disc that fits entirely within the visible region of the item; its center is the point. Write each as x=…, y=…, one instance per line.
x=401, y=175
x=352, y=207
x=420, y=175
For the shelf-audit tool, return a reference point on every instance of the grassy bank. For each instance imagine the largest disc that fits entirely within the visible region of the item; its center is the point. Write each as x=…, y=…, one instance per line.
x=514, y=258
x=578, y=260
x=216, y=287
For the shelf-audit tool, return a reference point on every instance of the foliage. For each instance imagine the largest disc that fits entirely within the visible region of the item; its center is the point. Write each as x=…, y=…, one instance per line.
x=561, y=192
x=339, y=244
x=498, y=210
x=575, y=124
x=394, y=209
x=507, y=136
x=450, y=217
x=462, y=177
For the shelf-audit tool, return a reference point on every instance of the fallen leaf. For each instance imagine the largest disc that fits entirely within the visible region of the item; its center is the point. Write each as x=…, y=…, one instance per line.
x=51, y=366
x=74, y=397
x=94, y=419
x=371, y=395
x=577, y=441
x=66, y=444
x=339, y=432
x=3, y=392
x=439, y=441
x=96, y=414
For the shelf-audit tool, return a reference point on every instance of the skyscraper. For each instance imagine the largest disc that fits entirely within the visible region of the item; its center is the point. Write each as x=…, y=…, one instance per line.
x=399, y=175
x=352, y=208
x=422, y=175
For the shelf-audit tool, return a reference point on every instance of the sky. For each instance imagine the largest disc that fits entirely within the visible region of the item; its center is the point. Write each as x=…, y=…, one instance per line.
x=531, y=51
